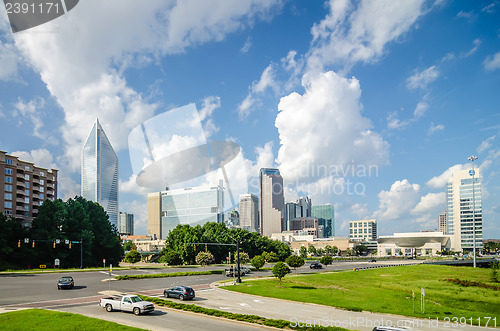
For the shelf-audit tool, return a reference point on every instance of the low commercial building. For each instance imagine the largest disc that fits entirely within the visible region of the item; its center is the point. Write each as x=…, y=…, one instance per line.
x=413, y=243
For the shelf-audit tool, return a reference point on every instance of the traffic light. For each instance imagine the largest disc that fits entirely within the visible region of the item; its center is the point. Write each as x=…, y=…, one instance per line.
x=19, y=243
x=70, y=245
x=33, y=245
x=54, y=245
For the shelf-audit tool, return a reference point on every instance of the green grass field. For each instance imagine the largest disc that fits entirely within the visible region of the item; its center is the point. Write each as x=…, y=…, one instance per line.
x=389, y=290
x=41, y=320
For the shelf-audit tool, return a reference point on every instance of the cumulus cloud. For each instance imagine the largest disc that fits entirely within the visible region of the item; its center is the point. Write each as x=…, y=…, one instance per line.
x=324, y=126
x=430, y=203
x=420, y=79
x=40, y=157
x=492, y=62
x=401, y=198
x=441, y=180
x=359, y=33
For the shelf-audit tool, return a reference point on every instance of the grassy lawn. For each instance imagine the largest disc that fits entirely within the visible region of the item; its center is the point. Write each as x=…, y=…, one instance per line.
x=389, y=290
x=39, y=319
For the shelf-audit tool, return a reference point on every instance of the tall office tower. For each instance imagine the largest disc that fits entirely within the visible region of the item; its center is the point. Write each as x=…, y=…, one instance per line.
x=100, y=172
x=271, y=201
x=192, y=206
x=442, y=223
x=363, y=230
x=462, y=214
x=249, y=212
x=24, y=187
x=232, y=219
x=306, y=204
x=326, y=217
x=126, y=224
x=290, y=211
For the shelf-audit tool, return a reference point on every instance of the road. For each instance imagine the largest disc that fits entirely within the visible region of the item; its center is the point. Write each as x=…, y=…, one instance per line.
x=40, y=291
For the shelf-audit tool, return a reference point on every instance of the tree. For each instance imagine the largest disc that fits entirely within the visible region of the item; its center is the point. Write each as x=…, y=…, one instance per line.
x=127, y=246
x=244, y=258
x=258, y=262
x=170, y=258
x=204, y=258
x=303, y=252
x=360, y=249
x=320, y=251
x=270, y=257
x=328, y=249
x=280, y=269
x=133, y=256
x=312, y=250
x=326, y=260
x=295, y=262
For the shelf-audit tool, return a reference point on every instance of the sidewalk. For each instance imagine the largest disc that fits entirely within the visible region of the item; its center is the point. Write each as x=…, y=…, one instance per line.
x=307, y=313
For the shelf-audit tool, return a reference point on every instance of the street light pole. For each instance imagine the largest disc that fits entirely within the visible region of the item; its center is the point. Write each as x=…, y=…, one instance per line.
x=473, y=173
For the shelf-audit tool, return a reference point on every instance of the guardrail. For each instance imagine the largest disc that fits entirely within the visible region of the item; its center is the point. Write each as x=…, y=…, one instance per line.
x=384, y=266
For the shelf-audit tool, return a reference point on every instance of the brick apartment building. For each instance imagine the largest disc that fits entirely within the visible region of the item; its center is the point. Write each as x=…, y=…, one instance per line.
x=24, y=187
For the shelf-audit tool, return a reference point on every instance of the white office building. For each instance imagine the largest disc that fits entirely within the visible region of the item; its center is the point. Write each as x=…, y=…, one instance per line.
x=363, y=230
x=464, y=214
x=249, y=212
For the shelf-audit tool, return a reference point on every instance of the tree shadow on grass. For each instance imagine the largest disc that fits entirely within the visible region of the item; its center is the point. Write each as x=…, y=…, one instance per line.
x=304, y=287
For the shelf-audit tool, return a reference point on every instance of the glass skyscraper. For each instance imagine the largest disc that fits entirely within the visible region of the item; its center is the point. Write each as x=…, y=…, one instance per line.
x=326, y=217
x=100, y=172
x=464, y=211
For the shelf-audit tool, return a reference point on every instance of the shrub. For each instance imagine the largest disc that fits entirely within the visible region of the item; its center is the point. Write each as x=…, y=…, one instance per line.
x=258, y=262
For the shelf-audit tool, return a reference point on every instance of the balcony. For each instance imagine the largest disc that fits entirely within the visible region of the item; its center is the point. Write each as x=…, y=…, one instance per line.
x=36, y=181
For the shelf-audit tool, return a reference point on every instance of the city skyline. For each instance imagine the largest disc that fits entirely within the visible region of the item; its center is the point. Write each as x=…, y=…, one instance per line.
x=369, y=106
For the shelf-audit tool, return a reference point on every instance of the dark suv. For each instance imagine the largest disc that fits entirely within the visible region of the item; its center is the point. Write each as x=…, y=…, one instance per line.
x=181, y=292
x=315, y=265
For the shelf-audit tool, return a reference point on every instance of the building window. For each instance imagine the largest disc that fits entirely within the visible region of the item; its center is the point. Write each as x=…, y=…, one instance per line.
x=42, y=173
x=42, y=196
x=8, y=161
x=7, y=204
x=26, y=200
x=8, y=171
x=27, y=185
x=8, y=188
x=26, y=168
x=42, y=182
x=26, y=208
x=27, y=192
x=7, y=212
x=42, y=189
x=8, y=179
x=8, y=196
x=26, y=177
x=26, y=214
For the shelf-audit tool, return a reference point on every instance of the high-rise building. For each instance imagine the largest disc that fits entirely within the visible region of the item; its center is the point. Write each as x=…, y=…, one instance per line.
x=192, y=206
x=100, y=172
x=326, y=217
x=464, y=211
x=306, y=204
x=442, y=223
x=249, y=212
x=290, y=211
x=271, y=201
x=126, y=224
x=232, y=219
x=306, y=225
x=363, y=230
x=24, y=187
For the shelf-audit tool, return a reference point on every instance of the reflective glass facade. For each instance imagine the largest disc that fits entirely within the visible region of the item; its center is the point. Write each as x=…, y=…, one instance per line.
x=326, y=217
x=100, y=172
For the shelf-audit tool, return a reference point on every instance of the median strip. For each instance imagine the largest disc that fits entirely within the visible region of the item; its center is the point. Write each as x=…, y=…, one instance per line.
x=171, y=274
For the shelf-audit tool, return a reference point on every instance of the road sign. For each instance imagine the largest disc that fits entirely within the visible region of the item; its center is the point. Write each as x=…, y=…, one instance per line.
x=66, y=241
x=472, y=172
x=422, y=291
x=26, y=240
x=104, y=261
x=43, y=266
x=57, y=262
x=413, y=293
x=58, y=241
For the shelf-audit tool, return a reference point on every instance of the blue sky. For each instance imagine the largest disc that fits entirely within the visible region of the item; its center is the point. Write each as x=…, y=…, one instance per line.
x=401, y=92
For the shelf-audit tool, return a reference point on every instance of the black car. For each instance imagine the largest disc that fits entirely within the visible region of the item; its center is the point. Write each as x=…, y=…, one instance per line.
x=372, y=260
x=315, y=265
x=181, y=292
x=65, y=282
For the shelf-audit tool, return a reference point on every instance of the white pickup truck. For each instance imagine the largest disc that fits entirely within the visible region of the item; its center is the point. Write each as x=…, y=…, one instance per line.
x=131, y=303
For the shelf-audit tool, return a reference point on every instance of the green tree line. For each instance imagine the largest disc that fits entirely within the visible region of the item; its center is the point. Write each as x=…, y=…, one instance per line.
x=179, y=250
x=76, y=220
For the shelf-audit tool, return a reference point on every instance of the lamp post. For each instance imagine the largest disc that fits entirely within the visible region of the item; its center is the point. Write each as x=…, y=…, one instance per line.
x=473, y=173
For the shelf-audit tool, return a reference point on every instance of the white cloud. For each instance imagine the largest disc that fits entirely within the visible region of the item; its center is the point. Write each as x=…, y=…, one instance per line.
x=33, y=111
x=465, y=14
x=477, y=43
x=247, y=45
x=209, y=104
x=435, y=128
x=441, y=180
x=492, y=62
x=40, y=157
x=349, y=34
x=398, y=201
x=360, y=210
x=266, y=81
x=393, y=122
x=489, y=8
x=430, y=203
x=420, y=109
x=420, y=79
x=485, y=144
x=325, y=127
